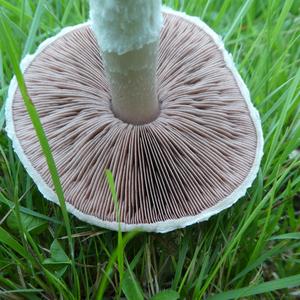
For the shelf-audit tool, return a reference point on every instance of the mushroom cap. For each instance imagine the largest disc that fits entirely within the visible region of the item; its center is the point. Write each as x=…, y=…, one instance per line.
x=196, y=159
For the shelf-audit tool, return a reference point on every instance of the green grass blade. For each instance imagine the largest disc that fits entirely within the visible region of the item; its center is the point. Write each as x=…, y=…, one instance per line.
x=274, y=285
x=238, y=19
x=265, y=256
x=279, y=21
x=166, y=295
x=181, y=258
x=37, y=126
x=109, y=269
x=10, y=49
x=230, y=251
x=28, y=211
x=20, y=291
x=34, y=27
x=130, y=286
x=8, y=240
x=287, y=236
x=120, y=248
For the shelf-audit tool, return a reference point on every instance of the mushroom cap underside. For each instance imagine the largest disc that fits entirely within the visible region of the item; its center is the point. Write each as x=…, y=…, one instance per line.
x=197, y=158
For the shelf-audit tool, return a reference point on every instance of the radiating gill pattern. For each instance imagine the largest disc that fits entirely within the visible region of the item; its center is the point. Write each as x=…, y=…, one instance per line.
x=197, y=152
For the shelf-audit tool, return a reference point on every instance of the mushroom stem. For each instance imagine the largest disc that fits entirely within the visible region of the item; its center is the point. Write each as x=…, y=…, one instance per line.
x=128, y=36
x=133, y=85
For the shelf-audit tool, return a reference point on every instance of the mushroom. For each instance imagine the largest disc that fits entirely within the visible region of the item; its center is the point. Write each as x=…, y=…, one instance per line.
x=162, y=107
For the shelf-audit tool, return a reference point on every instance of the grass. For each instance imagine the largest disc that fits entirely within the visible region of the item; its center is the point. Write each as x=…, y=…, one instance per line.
x=249, y=251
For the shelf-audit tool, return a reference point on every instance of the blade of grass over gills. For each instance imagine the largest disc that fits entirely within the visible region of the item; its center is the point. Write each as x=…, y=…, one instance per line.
x=10, y=49
x=37, y=124
x=120, y=248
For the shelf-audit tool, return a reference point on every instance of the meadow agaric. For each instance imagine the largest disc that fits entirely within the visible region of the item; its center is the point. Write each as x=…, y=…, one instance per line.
x=181, y=137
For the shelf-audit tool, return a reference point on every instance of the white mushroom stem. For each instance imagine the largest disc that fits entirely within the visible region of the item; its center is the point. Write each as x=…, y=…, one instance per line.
x=128, y=35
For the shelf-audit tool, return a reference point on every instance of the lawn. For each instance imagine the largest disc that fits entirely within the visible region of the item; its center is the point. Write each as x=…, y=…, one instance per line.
x=250, y=251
